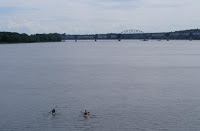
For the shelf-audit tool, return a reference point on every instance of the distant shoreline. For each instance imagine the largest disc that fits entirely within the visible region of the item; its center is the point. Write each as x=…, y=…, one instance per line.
x=193, y=34
x=14, y=38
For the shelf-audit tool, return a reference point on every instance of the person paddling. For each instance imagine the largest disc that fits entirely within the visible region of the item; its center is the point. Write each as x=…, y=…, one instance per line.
x=85, y=113
x=53, y=111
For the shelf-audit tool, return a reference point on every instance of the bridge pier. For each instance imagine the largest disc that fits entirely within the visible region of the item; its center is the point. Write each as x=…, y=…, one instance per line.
x=145, y=38
x=167, y=36
x=95, y=37
x=75, y=37
x=119, y=37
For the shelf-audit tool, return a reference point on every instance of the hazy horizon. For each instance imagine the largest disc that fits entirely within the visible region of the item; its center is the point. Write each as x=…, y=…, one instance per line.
x=95, y=16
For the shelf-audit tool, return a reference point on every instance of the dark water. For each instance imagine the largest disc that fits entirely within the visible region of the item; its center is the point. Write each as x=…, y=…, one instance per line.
x=128, y=85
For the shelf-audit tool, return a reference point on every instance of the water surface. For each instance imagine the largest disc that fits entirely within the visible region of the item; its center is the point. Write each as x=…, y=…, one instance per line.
x=127, y=85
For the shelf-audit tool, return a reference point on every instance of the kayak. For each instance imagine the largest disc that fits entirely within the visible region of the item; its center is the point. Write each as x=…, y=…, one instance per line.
x=85, y=115
x=53, y=113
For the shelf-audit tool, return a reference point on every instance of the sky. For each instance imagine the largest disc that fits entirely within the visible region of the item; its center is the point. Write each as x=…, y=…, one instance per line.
x=98, y=16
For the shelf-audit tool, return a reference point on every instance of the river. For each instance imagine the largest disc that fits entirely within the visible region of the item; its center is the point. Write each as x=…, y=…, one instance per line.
x=128, y=85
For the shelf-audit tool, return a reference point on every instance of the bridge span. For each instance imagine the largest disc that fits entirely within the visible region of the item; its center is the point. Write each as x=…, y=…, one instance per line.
x=137, y=34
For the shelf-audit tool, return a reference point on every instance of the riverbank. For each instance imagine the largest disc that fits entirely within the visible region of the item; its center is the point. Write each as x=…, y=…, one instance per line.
x=13, y=37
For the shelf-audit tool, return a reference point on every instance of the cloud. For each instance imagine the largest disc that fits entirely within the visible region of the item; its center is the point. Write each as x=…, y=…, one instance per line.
x=97, y=16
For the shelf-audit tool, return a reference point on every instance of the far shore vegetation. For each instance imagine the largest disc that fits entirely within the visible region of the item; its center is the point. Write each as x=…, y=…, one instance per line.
x=14, y=37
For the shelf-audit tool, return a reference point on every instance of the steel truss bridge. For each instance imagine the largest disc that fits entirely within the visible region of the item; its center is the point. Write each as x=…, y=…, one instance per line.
x=132, y=31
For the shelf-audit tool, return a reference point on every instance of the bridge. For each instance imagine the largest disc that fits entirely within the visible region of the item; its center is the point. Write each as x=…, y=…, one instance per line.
x=110, y=36
x=137, y=34
x=132, y=31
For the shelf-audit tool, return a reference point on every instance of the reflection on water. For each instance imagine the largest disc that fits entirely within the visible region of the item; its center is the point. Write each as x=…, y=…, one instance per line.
x=127, y=85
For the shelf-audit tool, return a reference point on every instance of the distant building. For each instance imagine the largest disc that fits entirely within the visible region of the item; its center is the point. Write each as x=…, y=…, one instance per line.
x=102, y=36
x=196, y=33
x=174, y=34
x=158, y=35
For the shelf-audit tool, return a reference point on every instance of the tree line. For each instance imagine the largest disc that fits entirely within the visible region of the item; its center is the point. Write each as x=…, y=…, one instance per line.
x=13, y=37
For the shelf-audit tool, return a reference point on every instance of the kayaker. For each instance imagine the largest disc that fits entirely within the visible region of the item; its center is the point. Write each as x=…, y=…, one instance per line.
x=53, y=111
x=85, y=113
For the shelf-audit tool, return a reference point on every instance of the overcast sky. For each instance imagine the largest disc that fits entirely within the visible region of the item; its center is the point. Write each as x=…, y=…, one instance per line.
x=98, y=16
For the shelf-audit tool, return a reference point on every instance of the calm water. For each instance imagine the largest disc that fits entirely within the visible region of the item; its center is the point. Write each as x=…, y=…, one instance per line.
x=128, y=85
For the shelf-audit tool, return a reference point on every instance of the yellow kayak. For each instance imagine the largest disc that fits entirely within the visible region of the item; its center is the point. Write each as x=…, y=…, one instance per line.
x=85, y=115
